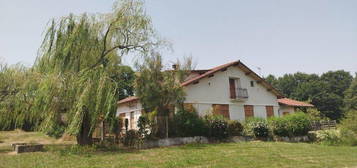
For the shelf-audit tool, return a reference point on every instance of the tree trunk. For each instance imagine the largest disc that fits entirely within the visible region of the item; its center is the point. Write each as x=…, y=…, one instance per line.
x=85, y=135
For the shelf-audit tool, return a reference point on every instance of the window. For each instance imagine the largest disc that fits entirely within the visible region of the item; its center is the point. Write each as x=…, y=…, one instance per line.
x=248, y=111
x=221, y=109
x=234, y=86
x=252, y=83
x=270, y=111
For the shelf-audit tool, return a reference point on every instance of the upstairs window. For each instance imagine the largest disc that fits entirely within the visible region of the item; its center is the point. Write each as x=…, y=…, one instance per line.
x=235, y=89
x=232, y=88
x=252, y=83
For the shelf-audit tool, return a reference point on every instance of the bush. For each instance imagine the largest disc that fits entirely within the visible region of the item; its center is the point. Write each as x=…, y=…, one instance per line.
x=256, y=127
x=132, y=138
x=279, y=126
x=235, y=128
x=187, y=124
x=217, y=126
x=144, y=125
x=349, y=122
x=56, y=131
x=328, y=137
x=297, y=124
x=348, y=137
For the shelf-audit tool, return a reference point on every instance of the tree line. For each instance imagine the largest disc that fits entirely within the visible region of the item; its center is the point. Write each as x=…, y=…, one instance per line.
x=333, y=93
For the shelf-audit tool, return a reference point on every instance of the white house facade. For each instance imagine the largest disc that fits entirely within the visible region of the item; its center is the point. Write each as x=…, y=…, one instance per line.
x=232, y=90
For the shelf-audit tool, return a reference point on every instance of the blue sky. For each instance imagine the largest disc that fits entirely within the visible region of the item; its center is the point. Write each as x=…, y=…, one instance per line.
x=279, y=36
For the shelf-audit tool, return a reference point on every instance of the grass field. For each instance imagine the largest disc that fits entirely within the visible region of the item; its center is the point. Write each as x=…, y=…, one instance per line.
x=249, y=154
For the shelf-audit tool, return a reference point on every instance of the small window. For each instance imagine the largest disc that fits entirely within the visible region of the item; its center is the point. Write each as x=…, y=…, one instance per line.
x=252, y=83
x=248, y=111
x=221, y=109
x=269, y=111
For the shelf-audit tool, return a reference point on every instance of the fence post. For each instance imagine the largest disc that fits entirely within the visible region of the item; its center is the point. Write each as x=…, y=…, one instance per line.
x=167, y=126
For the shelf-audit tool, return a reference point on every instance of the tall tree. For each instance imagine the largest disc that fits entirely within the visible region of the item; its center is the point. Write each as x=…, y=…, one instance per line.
x=350, y=99
x=159, y=90
x=78, y=66
x=337, y=81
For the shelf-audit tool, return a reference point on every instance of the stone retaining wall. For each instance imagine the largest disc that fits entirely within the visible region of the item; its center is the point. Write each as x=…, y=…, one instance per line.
x=204, y=140
x=174, y=141
x=21, y=148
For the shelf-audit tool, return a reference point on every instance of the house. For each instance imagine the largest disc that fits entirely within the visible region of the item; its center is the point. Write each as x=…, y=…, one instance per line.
x=232, y=90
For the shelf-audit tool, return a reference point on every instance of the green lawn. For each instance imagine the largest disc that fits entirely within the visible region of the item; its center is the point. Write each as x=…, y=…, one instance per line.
x=250, y=154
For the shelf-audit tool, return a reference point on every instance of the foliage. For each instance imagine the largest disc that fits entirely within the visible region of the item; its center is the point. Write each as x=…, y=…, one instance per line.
x=256, y=127
x=297, y=124
x=217, y=126
x=348, y=137
x=152, y=83
x=350, y=121
x=313, y=114
x=328, y=137
x=235, y=128
x=350, y=99
x=348, y=127
x=124, y=77
x=188, y=124
x=132, y=138
x=336, y=137
x=78, y=70
x=144, y=125
x=279, y=126
x=326, y=92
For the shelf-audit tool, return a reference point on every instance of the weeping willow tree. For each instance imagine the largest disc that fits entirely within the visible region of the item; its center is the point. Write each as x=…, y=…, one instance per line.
x=18, y=88
x=77, y=68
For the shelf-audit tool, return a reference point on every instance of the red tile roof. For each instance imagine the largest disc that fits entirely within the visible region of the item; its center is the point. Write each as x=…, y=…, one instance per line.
x=242, y=66
x=128, y=99
x=295, y=103
x=214, y=70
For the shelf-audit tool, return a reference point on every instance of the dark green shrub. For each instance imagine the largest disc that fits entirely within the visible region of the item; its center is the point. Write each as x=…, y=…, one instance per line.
x=256, y=127
x=217, y=126
x=56, y=131
x=297, y=124
x=279, y=126
x=144, y=125
x=235, y=128
x=350, y=121
x=187, y=124
x=132, y=138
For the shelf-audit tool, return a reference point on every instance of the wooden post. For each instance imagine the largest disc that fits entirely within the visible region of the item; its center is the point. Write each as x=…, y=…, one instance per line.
x=167, y=126
x=102, y=132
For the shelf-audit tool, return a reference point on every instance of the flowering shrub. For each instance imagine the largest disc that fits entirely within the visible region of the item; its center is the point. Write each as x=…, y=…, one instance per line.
x=328, y=137
x=256, y=127
x=217, y=126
